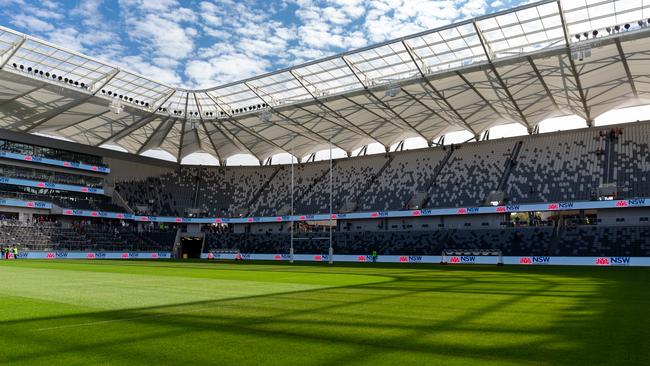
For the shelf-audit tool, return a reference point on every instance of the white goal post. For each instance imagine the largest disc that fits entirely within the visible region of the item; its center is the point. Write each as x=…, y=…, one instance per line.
x=457, y=255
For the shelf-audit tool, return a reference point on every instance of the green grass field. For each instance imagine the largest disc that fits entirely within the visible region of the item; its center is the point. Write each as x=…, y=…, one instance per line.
x=190, y=313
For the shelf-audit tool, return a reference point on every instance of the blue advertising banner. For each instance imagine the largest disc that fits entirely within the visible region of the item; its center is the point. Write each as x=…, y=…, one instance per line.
x=47, y=161
x=21, y=203
x=93, y=255
x=452, y=260
x=62, y=187
x=557, y=206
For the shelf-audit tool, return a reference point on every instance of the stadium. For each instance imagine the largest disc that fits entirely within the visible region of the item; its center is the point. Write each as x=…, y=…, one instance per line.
x=528, y=249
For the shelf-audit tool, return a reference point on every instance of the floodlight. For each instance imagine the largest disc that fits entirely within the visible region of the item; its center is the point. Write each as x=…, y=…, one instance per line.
x=116, y=107
x=393, y=90
x=265, y=115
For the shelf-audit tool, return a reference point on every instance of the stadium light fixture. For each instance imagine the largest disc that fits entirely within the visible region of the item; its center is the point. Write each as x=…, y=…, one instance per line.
x=265, y=115
x=116, y=107
x=393, y=90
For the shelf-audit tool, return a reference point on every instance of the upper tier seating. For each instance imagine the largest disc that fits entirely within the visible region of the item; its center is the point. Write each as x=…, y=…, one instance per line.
x=349, y=179
x=553, y=167
x=407, y=173
x=473, y=170
x=557, y=167
x=631, y=165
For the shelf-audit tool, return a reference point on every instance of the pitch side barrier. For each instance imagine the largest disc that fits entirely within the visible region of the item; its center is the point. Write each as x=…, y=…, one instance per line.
x=61, y=187
x=559, y=206
x=54, y=162
x=93, y=255
x=452, y=260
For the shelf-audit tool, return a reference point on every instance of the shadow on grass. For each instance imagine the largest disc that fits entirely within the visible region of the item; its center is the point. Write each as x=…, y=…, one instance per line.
x=555, y=315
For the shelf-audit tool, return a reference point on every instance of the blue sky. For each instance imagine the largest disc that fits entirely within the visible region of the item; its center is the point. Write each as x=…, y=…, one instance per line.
x=212, y=42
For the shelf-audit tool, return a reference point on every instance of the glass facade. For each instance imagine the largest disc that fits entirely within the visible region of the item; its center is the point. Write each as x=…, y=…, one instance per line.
x=11, y=171
x=50, y=153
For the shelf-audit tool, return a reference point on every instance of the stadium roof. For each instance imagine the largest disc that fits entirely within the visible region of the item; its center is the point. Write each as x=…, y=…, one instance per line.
x=522, y=65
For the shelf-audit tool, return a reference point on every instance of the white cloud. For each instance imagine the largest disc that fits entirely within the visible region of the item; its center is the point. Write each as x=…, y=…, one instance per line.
x=162, y=36
x=31, y=23
x=211, y=42
x=141, y=66
x=227, y=68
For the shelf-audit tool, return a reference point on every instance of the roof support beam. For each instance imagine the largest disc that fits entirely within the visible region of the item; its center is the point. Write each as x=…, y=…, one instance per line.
x=219, y=103
x=214, y=146
x=350, y=126
x=22, y=95
x=234, y=121
x=82, y=121
x=148, y=140
x=7, y=55
x=626, y=66
x=386, y=106
x=128, y=130
x=183, y=125
x=574, y=70
x=374, y=114
x=433, y=111
x=365, y=82
x=63, y=109
x=99, y=84
x=414, y=56
x=139, y=123
x=196, y=130
x=291, y=120
x=147, y=145
x=233, y=140
x=542, y=82
x=490, y=55
x=326, y=110
x=473, y=88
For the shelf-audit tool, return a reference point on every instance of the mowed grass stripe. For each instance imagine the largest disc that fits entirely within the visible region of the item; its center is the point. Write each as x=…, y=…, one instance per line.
x=223, y=313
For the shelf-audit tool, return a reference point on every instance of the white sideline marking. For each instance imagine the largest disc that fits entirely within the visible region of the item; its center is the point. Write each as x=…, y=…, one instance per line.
x=122, y=319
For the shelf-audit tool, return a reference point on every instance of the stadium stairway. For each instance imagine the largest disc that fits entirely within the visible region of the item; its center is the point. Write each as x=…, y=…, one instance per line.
x=195, y=201
x=435, y=175
x=121, y=202
x=315, y=182
x=510, y=163
x=366, y=189
x=264, y=186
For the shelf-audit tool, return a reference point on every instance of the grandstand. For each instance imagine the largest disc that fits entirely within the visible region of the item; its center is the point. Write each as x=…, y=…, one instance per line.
x=577, y=193
x=342, y=243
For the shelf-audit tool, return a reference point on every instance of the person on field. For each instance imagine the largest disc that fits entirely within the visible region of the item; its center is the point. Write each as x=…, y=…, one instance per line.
x=374, y=256
x=15, y=252
x=6, y=253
